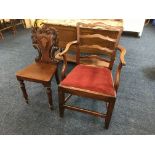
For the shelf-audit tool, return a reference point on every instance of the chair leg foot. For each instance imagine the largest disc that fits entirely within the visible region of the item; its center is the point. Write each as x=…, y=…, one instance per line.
x=51, y=107
x=106, y=125
x=61, y=102
x=109, y=114
x=61, y=112
x=27, y=101
x=49, y=94
x=22, y=86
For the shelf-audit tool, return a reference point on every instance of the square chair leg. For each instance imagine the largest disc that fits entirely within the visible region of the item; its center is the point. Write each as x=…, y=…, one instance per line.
x=61, y=95
x=109, y=114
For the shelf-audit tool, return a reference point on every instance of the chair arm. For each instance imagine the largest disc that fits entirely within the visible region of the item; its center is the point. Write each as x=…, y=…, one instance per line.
x=67, y=47
x=63, y=54
x=122, y=63
x=123, y=52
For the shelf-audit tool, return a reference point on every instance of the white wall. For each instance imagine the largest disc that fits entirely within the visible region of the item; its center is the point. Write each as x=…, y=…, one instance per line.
x=134, y=25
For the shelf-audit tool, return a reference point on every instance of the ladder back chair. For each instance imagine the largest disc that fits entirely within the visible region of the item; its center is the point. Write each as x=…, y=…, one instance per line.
x=45, y=41
x=92, y=80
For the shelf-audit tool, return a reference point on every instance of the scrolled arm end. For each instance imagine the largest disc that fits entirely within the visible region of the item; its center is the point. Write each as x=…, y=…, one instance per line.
x=67, y=47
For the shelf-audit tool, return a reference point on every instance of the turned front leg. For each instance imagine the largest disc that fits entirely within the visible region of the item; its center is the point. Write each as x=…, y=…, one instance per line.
x=22, y=86
x=49, y=94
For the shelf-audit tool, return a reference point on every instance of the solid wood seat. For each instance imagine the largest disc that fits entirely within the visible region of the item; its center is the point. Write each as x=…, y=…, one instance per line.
x=37, y=72
x=92, y=80
x=45, y=40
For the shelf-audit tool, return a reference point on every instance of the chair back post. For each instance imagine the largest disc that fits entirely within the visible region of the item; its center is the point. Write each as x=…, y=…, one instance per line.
x=112, y=60
x=78, y=42
x=116, y=44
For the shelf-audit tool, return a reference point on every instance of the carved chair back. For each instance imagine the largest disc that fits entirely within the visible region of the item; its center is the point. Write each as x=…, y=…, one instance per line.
x=45, y=40
x=100, y=45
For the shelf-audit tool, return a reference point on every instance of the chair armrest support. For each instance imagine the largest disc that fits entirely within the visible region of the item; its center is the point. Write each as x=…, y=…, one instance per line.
x=63, y=54
x=122, y=63
x=123, y=52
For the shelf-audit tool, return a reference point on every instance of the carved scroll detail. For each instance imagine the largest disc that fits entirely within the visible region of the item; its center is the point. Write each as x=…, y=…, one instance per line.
x=45, y=40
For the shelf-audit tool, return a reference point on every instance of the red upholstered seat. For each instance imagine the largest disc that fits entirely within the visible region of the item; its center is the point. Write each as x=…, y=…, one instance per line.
x=91, y=78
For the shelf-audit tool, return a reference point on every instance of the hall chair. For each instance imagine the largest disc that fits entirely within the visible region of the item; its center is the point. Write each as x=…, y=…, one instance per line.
x=45, y=41
x=92, y=80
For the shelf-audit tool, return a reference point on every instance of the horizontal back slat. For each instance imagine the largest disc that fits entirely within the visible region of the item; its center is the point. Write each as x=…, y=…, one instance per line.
x=94, y=61
x=97, y=48
x=97, y=41
x=103, y=31
x=99, y=25
x=107, y=38
x=103, y=41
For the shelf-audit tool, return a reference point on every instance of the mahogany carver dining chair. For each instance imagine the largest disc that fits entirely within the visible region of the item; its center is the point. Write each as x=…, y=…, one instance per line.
x=45, y=40
x=92, y=80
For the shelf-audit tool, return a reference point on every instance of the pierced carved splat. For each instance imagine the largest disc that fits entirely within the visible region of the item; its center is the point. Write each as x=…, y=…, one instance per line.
x=45, y=40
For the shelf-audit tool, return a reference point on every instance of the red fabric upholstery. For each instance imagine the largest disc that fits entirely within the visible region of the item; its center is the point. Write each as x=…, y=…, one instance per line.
x=91, y=78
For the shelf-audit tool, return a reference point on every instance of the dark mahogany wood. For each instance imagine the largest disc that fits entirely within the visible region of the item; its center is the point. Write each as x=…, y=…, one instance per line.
x=45, y=40
x=109, y=48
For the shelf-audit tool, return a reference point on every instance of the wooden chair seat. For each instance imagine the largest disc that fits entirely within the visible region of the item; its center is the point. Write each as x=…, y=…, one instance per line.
x=38, y=72
x=90, y=78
